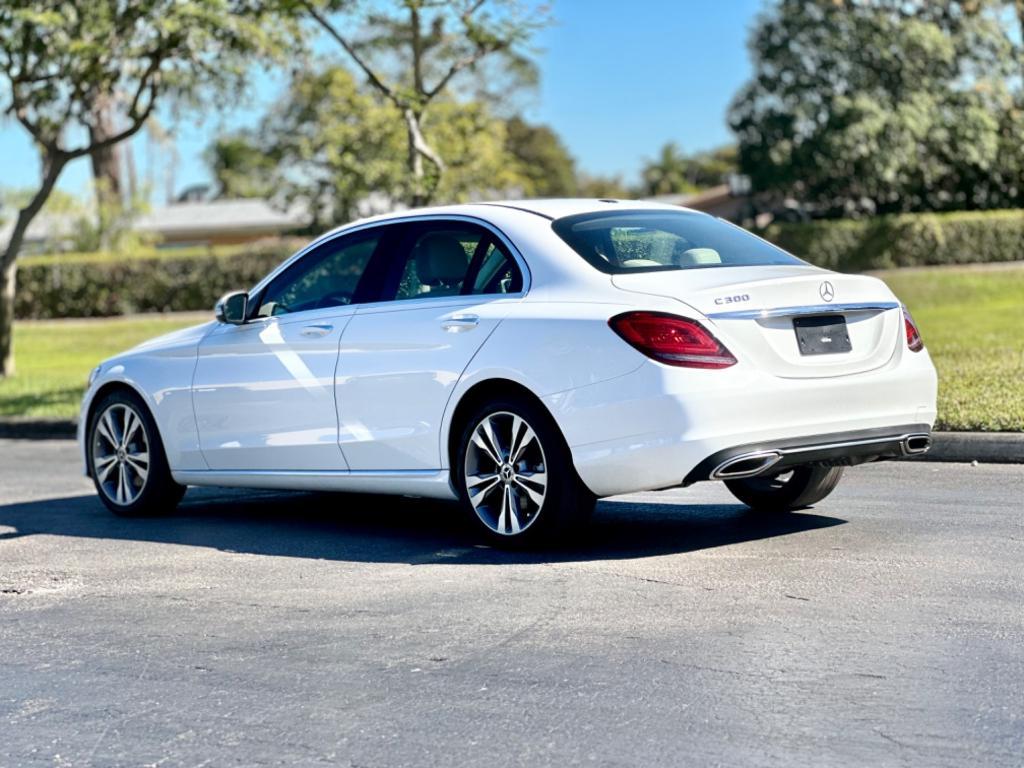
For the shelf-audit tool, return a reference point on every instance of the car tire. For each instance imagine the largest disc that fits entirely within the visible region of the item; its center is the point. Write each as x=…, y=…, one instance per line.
x=531, y=498
x=126, y=458
x=794, y=488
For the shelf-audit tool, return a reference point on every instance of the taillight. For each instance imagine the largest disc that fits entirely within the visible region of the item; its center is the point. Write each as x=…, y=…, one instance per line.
x=672, y=340
x=914, y=341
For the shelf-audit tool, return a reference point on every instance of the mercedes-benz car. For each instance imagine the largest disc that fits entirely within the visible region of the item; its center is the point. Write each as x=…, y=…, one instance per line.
x=524, y=359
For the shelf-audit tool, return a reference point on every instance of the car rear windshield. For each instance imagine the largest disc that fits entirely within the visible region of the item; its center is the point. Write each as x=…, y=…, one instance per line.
x=652, y=241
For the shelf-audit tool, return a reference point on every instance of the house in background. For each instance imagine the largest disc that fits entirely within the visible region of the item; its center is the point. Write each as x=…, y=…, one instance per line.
x=218, y=222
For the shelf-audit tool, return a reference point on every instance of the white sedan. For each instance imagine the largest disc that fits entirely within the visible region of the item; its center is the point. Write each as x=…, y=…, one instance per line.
x=524, y=358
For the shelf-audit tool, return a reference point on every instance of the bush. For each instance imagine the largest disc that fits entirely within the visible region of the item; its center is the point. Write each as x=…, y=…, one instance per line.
x=909, y=240
x=102, y=285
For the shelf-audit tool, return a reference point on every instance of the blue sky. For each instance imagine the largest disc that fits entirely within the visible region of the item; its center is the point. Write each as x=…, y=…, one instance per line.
x=619, y=78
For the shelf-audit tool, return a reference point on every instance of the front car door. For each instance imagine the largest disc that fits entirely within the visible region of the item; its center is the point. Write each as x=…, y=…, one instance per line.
x=264, y=391
x=445, y=288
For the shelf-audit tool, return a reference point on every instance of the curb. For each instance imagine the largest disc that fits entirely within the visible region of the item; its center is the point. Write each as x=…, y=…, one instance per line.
x=37, y=429
x=983, y=447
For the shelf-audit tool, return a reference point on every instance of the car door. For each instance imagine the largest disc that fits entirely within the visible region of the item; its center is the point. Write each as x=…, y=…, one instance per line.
x=263, y=391
x=445, y=289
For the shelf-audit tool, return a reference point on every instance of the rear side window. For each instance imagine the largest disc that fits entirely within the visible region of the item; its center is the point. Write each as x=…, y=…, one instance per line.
x=652, y=241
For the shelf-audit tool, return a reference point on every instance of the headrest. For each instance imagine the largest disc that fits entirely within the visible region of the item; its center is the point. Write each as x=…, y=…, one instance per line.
x=697, y=256
x=440, y=260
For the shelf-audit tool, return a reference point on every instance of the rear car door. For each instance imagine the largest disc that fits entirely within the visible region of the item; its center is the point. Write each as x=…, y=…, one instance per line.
x=263, y=392
x=444, y=291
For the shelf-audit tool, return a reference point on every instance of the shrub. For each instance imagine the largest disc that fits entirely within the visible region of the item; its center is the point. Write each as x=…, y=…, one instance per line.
x=909, y=240
x=102, y=285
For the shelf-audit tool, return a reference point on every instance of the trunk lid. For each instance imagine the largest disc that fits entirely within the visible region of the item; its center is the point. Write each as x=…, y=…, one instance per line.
x=752, y=310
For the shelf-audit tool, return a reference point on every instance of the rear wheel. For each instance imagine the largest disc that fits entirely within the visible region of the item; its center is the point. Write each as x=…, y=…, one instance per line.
x=515, y=475
x=126, y=458
x=789, y=489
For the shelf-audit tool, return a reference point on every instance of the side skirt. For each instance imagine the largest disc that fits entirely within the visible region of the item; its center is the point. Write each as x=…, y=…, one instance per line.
x=429, y=483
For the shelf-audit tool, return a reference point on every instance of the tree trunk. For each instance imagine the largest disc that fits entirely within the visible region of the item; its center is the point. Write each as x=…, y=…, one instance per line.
x=418, y=150
x=7, y=283
x=106, y=162
x=52, y=166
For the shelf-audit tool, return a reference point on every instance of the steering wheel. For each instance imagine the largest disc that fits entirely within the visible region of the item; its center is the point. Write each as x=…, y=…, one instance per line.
x=336, y=299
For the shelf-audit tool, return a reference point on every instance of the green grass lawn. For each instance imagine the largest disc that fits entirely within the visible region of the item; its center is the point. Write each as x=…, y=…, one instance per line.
x=972, y=320
x=53, y=359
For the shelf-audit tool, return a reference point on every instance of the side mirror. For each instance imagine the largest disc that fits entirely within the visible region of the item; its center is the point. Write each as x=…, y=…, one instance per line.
x=232, y=308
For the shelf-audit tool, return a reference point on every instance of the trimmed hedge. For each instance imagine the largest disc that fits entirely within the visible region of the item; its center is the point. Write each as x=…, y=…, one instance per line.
x=102, y=285
x=908, y=240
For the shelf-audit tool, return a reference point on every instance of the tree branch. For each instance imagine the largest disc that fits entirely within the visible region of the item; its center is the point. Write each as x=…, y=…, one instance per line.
x=383, y=87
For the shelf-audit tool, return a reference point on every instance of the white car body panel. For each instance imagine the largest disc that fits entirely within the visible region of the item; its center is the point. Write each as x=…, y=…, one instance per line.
x=368, y=405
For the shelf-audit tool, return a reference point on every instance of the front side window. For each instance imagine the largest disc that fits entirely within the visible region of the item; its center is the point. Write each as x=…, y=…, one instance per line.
x=326, y=277
x=650, y=241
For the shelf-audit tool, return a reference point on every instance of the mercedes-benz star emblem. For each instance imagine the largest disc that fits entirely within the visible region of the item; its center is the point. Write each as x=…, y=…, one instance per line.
x=827, y=291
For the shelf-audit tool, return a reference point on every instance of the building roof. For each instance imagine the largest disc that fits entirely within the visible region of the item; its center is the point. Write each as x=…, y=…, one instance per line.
x=216, y=216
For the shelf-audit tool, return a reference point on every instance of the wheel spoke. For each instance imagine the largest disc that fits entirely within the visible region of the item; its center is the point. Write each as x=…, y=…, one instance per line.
x=142, y=470
x=472, y=481
x=103, y=427
x=476, y=499
x=513, y=509
x=131, y=426
x=122, y=488
x=104, y=465
x=487, y=426
x=480, y=440
x=525, y=437
x=526, y=482
x=503, y=516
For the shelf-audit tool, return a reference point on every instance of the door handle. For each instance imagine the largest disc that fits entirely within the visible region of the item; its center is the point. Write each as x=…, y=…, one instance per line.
x=459, y=323
x=317, y=330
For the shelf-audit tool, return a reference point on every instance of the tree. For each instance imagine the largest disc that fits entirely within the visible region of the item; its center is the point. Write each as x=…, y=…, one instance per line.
x=413, y=51
x=883, y=106
x=667, y=173
x=338, y=149
x=60, y=61
x=240, y=166
x=548, y=168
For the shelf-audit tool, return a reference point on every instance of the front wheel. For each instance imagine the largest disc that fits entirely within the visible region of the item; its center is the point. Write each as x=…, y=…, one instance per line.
x=126, y=458
x=515, y=475
x=789, y=489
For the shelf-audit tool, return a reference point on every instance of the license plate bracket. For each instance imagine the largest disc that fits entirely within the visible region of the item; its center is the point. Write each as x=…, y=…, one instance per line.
x=822, y=335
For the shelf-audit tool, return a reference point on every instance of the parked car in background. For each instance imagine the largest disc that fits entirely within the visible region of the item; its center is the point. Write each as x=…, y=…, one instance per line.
x=524, y=358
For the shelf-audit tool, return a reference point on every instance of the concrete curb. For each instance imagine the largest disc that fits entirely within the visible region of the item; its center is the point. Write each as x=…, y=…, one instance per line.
x=37, y=429
x=984, y=447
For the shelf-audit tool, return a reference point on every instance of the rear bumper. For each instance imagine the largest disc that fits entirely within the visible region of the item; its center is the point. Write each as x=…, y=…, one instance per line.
x=653, y=428
x=839, y=449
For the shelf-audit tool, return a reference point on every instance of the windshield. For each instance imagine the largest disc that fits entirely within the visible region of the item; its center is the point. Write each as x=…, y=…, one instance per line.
x=651, y=241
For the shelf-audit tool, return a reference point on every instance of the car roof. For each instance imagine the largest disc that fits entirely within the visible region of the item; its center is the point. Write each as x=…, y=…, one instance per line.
x=549, y=208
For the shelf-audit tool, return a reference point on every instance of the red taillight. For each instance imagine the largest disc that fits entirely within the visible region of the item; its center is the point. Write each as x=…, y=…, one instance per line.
x=914, y=341
x=672, y=340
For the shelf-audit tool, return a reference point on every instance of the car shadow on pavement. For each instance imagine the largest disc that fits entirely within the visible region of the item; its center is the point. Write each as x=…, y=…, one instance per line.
x=360, y=528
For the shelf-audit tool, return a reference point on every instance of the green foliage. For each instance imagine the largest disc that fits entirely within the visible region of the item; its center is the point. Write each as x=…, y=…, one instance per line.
x=101, y=285
x=547, y=168
x=905, y=240
x=331, y=144
x=241, y=167
x=416, y=54
x=884, y=106
x=972, y=321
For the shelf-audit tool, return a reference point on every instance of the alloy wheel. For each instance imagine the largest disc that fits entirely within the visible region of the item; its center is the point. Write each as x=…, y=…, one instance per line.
x=505, y=473
x=120, y=454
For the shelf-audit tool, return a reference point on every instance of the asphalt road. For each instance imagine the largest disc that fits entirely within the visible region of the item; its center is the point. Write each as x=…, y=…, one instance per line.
x=883, y=628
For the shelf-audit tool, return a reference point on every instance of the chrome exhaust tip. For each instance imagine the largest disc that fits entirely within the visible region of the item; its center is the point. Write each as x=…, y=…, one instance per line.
x=916, y=444
x=746, y=465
